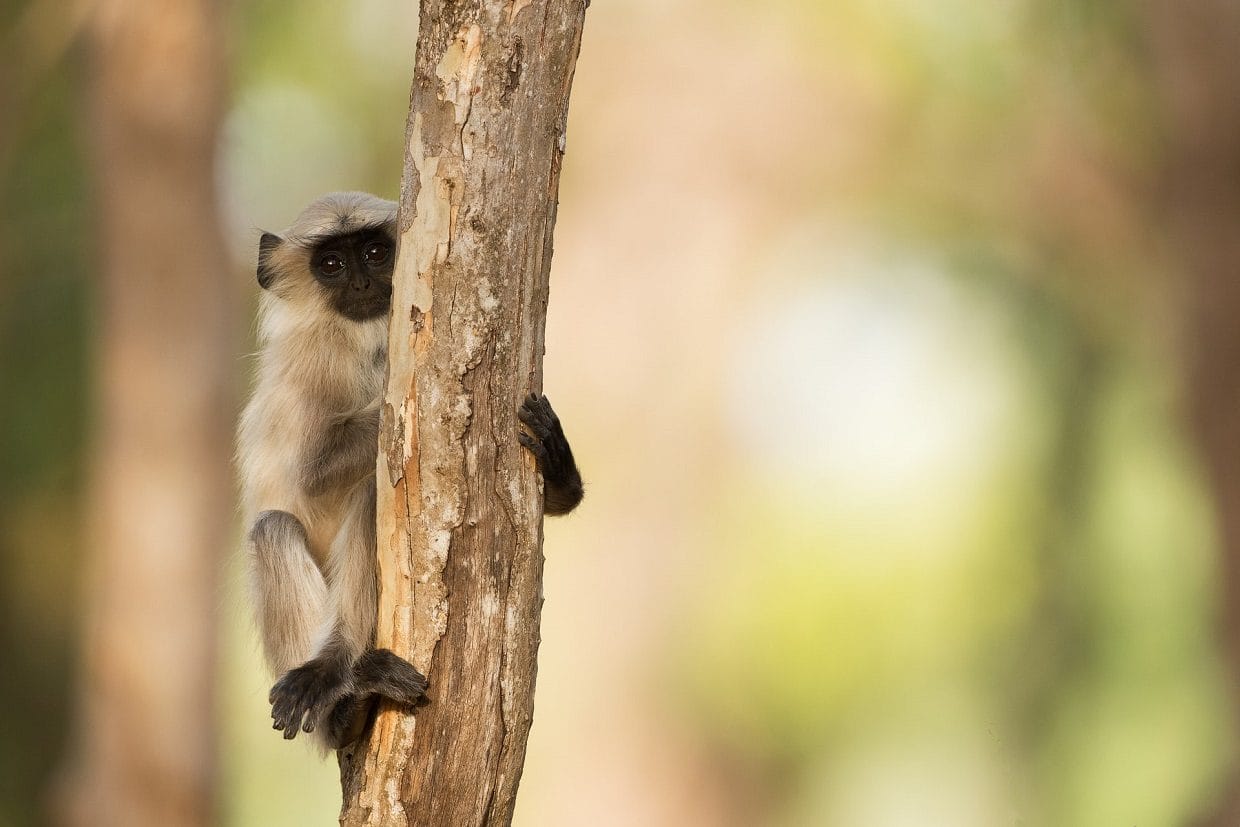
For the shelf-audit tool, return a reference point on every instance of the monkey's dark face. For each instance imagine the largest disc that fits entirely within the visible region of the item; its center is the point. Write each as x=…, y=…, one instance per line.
x=355, y=270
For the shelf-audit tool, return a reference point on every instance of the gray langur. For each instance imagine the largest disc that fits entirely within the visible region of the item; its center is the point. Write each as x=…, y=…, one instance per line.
x=307, y=448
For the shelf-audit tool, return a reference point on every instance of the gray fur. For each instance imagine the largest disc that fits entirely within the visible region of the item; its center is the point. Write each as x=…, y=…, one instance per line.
x=344, y=456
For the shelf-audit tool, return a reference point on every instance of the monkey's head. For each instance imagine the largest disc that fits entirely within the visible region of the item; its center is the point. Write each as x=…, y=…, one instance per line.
x=339, y=252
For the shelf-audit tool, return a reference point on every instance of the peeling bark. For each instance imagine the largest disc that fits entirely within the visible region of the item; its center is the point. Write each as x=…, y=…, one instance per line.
x=459, y=508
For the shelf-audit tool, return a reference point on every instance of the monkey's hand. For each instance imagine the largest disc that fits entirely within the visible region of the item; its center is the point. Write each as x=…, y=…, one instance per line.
x=546, y=441
x=307, y=692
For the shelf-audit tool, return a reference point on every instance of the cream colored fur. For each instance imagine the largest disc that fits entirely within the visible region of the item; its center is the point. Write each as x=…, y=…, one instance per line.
x=315, y=368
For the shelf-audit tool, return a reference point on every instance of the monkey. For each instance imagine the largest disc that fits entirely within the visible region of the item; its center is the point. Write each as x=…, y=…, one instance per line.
x=306, y=453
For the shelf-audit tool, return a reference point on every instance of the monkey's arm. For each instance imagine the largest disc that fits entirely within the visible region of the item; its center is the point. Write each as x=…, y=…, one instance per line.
x=343, y=454
x=546, y=440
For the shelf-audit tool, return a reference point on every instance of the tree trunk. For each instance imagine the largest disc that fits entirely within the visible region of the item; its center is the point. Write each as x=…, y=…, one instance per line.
x=1198, y=77
x=161, y=491
x=459, y=507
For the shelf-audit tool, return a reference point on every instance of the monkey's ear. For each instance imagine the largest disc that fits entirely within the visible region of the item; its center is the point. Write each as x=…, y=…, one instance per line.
x=266, y=246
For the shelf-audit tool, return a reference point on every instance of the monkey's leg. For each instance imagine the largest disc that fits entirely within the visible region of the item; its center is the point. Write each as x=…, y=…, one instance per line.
x=561, y=480
x=305, y=696
x=354, y=592
x=292, y=601
x=289, y=590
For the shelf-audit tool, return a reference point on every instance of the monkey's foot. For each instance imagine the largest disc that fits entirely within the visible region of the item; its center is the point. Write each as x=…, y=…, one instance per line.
x=378, y=672
x=301, y=698
x=383, y=672
x=347, y=720
x=546, y=441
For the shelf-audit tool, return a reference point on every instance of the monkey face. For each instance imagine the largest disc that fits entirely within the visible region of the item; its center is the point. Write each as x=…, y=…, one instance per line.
x=337, y=256
x=355, y=271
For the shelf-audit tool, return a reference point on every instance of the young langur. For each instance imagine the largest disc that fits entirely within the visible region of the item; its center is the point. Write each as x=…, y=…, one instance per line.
x=307, y=449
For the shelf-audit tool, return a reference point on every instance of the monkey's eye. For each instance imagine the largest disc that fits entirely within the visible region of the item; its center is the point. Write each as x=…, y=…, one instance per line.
x=331, y=264
x=376, y=253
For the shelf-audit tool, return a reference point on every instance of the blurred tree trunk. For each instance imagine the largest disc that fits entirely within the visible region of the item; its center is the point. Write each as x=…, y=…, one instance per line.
x=161, y=489
x=1199, y=75
x=460, y=525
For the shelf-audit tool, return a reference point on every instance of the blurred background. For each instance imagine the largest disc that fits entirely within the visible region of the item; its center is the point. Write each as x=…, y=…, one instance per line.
x=897, y=342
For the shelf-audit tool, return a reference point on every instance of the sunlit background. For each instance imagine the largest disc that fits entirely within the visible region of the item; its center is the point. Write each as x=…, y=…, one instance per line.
x=869, y=332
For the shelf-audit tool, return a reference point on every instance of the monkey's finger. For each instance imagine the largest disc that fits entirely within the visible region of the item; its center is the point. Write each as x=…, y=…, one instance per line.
x=553, y=421
x=283, y=723
x=535, y=447
x=315, y=704
x=534, y=403
x=548, y=412
x=293, y=721
x=281, y=702
x=280, y=718
x=528, y=414
x=537, y=402
x=535, y=423
x=317, y=708
x=288, y=708
x=541, y=412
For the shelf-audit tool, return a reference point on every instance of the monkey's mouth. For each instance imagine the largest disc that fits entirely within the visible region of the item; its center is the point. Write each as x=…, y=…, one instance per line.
x=367, y=307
